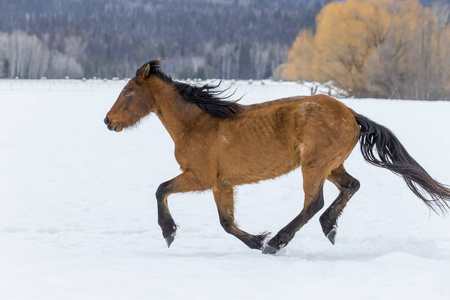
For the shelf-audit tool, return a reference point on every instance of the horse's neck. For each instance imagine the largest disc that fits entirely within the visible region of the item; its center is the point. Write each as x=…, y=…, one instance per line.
x=176, y=114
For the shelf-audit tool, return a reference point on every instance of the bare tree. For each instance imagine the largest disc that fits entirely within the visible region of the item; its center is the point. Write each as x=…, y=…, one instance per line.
x=260, y=55
x=26, y=56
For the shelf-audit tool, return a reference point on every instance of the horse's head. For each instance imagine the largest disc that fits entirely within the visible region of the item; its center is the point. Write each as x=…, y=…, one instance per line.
x=135, y=100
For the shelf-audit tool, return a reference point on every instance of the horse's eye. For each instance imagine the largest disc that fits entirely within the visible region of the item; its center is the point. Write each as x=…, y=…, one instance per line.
x=126, y=92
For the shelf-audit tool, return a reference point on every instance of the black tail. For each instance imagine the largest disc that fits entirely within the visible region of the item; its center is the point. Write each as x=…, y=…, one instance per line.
x=391, y=154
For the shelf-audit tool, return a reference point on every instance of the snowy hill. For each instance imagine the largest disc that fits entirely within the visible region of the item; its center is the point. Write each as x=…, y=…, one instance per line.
x=78, y=212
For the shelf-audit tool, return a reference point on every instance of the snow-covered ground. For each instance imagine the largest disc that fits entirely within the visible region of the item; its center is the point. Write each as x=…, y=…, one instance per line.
x=78, y=212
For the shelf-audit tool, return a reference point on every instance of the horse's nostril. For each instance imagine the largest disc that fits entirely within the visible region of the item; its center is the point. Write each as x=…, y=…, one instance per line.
x=107, y=121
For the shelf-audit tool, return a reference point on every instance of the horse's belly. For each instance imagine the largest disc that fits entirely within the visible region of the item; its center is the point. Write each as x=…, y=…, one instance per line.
x=257, y=164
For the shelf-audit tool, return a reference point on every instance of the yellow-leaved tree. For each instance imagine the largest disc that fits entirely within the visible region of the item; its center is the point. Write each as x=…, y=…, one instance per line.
x=298, y=65
x=376, y=48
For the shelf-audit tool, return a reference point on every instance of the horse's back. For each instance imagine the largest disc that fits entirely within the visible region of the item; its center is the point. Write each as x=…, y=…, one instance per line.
x=319, y=115
x=275, y=137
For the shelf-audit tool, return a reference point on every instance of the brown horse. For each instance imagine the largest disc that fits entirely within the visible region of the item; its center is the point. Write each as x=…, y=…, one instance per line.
x=220, y=144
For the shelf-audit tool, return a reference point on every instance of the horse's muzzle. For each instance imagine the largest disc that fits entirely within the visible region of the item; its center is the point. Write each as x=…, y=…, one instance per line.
x=108, y=123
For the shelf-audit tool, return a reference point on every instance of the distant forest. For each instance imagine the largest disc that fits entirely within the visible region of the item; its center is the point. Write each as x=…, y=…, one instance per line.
x=112, y=38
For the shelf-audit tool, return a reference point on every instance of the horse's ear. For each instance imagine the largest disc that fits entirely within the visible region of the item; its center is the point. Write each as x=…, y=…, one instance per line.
x=148, y=68
x=143, y=72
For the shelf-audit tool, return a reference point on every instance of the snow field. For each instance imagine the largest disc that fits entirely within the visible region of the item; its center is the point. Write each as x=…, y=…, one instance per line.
x=78, y=213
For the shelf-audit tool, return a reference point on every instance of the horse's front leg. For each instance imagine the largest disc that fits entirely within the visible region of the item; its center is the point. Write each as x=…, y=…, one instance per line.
x=185, y=182
x=223, y=196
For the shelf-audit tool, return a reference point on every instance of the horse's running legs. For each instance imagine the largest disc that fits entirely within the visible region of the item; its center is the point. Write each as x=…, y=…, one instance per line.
x=347, y=186
x=313, y=181
x=185, y=182
x=225, y=206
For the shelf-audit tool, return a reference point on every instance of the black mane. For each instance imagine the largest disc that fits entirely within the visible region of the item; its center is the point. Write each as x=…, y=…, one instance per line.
x=207, y=97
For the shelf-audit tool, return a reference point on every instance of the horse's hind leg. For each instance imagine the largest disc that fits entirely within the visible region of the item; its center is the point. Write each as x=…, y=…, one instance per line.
x=225, y=206
x=347, y=186
x=313, y=179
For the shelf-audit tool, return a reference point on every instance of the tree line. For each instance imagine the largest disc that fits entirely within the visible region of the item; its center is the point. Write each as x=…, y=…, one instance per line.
x=112, y=38
x=376, y=48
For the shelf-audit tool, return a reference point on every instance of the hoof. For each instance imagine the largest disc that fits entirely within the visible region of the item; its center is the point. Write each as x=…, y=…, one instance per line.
x=332, y=235
x=269, y=250
x=170, y=239
x=261, y=241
